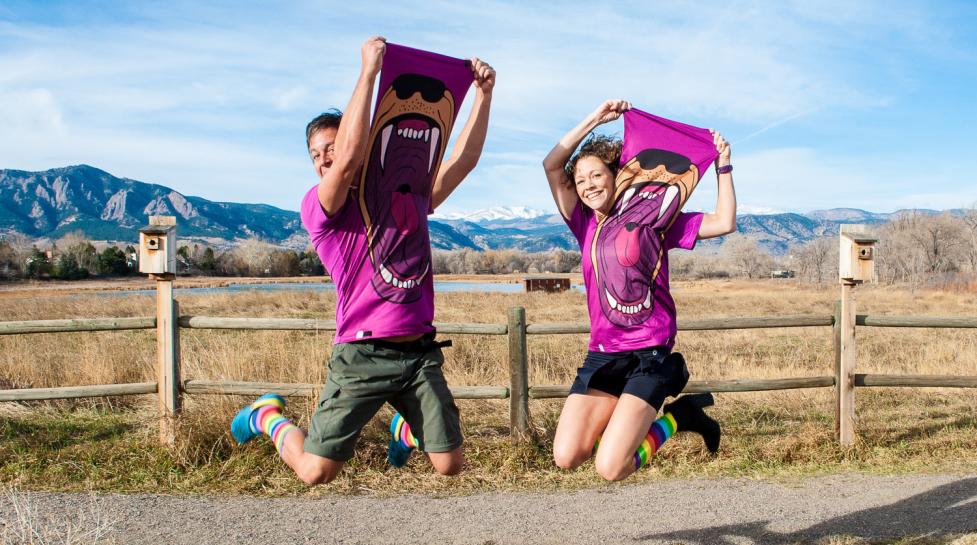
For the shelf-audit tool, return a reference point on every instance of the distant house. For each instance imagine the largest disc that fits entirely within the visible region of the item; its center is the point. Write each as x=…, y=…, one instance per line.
x=548, y=283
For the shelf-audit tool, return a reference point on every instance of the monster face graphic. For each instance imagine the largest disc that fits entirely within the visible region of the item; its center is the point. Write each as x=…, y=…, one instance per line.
x=407, y=141
x=627, y=247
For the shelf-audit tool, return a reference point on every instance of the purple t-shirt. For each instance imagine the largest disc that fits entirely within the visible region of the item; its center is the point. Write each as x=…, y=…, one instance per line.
x=384, y=291
x=628, y=298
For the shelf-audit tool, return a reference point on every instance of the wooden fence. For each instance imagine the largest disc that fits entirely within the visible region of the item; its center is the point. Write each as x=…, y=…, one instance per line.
x=171, y=386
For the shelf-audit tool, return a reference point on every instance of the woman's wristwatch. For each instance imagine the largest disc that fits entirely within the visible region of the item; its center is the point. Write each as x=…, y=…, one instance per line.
x=725, y=169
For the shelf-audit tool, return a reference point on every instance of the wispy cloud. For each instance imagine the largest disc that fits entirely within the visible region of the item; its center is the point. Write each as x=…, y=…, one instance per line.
x=212, y=98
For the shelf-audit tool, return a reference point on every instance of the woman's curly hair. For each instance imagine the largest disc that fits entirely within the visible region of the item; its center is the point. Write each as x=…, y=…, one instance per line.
x=605, y=148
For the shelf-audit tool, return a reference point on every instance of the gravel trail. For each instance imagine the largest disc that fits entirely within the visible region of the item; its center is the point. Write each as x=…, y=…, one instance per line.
x=739, y=511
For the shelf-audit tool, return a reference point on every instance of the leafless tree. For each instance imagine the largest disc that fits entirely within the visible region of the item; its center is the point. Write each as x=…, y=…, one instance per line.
x=970, y=248
x=746, y=255
x=941, y=239
x=816, y=258
x=917, y=248
x=80, y=247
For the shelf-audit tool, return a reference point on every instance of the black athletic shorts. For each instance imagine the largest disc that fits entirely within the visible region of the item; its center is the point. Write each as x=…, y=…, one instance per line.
x=651, y=374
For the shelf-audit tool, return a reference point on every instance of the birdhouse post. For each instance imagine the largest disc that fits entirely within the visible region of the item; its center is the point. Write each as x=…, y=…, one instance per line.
x=855, y=266
x=157, y=257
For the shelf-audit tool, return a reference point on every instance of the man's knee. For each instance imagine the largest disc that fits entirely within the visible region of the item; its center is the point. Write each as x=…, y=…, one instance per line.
x=447, y=463
x=318, y=470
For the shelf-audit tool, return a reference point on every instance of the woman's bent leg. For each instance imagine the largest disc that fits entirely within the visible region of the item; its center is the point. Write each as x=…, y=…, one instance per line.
x=582, y=421
x=627, y=428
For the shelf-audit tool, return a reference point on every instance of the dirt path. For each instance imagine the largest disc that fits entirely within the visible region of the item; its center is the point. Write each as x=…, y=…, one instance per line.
x=736, y=511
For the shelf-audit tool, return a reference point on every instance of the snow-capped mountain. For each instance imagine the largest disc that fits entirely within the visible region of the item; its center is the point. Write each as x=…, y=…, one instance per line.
x=494, y=213
x=54, y=202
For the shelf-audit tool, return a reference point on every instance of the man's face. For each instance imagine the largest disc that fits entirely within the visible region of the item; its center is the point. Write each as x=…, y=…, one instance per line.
x=321, y=149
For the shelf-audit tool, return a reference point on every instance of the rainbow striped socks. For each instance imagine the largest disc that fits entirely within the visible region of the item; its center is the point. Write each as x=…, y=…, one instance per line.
x=262, y=416
x=402, y=442
x=685, y=413
x=661, y=430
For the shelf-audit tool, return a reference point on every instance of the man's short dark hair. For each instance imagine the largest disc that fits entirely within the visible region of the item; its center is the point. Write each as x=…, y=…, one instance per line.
x=330, y=118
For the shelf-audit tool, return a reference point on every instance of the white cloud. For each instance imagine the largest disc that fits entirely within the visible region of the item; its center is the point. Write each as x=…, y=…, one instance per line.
x=757, y=210
x=30, y=111
x=291, y=98
x=213, y=99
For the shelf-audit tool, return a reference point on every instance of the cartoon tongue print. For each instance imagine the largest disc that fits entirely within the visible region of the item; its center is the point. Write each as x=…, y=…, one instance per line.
x=629, y=248
x=660, y=167
x=395, y=190
x=403, y=210
x=626, y=245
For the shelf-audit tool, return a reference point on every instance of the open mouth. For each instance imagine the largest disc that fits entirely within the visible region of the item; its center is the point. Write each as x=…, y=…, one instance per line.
x=396, y=281
x=410, y=130
x=628, y=308
x=650, y=192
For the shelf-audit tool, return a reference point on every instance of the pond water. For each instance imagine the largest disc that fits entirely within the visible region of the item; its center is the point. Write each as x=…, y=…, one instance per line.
x=439, y=286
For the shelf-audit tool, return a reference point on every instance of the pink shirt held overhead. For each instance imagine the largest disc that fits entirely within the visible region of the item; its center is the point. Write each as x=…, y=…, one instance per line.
x=396, y=298
x=625, y=270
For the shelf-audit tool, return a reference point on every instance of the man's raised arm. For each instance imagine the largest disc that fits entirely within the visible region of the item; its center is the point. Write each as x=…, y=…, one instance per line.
x=348, y=151
x=468, y=147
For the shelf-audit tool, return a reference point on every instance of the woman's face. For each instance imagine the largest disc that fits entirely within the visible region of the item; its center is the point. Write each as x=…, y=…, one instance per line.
x=594, y=183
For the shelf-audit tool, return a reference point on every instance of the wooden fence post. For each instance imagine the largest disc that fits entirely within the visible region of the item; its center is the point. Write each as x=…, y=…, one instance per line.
x=846, y=367
x=518, y=375
x=855, y=265
x=836, y=338
x=168, y=357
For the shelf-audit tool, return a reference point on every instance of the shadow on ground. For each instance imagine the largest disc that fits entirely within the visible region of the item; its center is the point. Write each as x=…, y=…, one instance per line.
x=943, y=512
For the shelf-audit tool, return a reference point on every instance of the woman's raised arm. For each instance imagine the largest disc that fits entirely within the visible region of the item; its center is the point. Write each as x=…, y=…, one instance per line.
x=562, y=187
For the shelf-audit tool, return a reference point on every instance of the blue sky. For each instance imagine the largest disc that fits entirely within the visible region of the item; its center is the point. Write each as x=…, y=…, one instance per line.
x=827, y=104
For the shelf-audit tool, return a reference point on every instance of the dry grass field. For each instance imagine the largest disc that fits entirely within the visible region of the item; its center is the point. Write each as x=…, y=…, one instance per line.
x=109, y=444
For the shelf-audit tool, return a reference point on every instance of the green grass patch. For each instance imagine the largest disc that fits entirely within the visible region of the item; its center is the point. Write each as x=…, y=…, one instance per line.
x=106, y=449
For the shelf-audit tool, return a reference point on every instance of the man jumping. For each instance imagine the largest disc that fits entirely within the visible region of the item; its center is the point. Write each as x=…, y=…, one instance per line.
x=370, y=230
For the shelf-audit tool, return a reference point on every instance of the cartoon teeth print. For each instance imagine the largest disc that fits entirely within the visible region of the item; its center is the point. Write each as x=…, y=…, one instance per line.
x=628, y=245
x=413, y=134
x=406, y=146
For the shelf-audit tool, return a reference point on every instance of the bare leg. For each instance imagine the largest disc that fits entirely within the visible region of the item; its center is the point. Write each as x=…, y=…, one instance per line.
x=310, y=468
x=447, y=463
x=627, y=428
x=582, y=421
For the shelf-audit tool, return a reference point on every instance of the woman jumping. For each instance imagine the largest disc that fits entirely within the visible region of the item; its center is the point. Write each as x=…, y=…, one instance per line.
x=614, y=402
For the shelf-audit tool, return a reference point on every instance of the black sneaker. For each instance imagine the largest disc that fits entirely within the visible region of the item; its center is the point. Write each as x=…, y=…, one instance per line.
x=689, y=416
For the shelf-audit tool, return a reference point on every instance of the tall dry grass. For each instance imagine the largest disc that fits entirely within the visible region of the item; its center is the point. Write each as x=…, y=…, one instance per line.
x=780, y=431
x=113, y=357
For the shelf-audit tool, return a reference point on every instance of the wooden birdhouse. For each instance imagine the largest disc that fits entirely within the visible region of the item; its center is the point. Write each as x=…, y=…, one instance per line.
x=856, y=258
x=157, y=249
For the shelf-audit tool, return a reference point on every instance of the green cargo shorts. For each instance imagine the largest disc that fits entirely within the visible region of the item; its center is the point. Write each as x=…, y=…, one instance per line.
x=364, y=376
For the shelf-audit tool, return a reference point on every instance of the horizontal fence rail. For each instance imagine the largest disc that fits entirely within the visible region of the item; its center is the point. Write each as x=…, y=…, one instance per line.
x=916, y=321
x=711, y=324
x=74, y=325
x=75, y=392
x=916, y=381
x=314, y=324
x=268, y=324
x=228, y=387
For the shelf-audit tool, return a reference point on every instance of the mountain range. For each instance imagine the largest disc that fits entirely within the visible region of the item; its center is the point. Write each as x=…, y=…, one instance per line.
x=51, y=203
